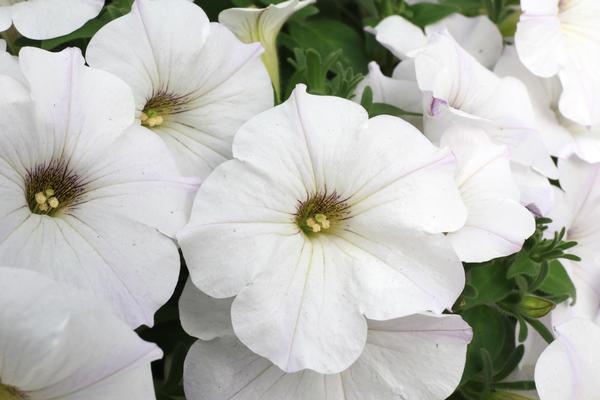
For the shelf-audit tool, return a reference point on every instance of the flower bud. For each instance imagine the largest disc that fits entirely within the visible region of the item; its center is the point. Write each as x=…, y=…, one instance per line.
x=535, y=307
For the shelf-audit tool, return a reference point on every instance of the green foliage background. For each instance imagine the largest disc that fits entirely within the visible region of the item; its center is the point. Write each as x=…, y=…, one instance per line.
x=325, y=46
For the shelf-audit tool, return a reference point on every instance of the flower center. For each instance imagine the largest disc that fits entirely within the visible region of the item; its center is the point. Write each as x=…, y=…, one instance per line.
x=49, y=188
x=321, y=212
x=10, y=393
x=160, y=106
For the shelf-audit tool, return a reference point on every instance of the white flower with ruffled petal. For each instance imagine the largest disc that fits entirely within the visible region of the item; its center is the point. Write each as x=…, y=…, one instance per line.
x=83, y=198
x=562, y=136
x=562, y=38
x=401, y=360
x=459, y=90
x=193, y=81
x=325, y=217
x=45, y=19
x=59, y=343
x=497, y=224
x=568, y=368
x=262, y=25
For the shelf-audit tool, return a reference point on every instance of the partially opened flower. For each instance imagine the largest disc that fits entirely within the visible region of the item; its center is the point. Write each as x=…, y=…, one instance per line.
x=562, y=136
x=194, y=82
x=83, y=199
x=417, y=357
x=263, y=25
x=325, y=217
x=562, y=38
x=59, y=343
x=459, y=90
x=44, y=19
x=568, y=367
x=497, y=224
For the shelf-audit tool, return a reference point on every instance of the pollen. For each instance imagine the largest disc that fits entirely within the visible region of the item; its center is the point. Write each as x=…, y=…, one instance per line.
x=45, y=203
x=151, y=119
x=321, y=213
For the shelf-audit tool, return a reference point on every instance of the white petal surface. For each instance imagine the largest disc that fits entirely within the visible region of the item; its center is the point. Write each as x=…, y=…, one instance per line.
x=49, y=19
x=70, y=346
x=5, y=17
x=563, y=38
x=86, y=109
x=568, y=368
x=401, y=93
x=488, y=190
x=398, y=35
x=420, y=357
x=478, y=35
x=544, y=94
x=203, y=316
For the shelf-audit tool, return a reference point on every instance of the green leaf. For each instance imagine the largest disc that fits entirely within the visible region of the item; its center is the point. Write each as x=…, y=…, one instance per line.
x=557, y=281
x=327, y=36
x=424, y=14
x=492, y=332
x=541, y=329
x=388, y=109
x=490, y=281
x=523, y=265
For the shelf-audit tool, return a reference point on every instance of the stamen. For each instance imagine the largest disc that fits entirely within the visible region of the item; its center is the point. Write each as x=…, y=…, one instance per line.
x=53, y=202
x=321, y=212
x=49, y=188
x=40, y=198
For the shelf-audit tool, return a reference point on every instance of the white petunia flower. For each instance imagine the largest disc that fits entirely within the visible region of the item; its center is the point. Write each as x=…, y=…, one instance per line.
x=325, y=217
x=568, y=368
x=477, y=35
x=497, y=225
x=82, y=199
x=194, y=82
x=263, y=25
x=562, y=38
x=417, y=357
x=460, y=91
x=45, y=19
x=562, y=136
x=59, y=343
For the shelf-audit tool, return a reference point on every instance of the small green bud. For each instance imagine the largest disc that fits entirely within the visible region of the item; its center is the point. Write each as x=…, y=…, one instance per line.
x=535, y=307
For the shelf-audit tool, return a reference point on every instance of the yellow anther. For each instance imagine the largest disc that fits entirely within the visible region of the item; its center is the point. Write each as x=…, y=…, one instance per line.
x=43, y=207
x=53, y=202
x=40, y=198
x=49, y=192
x=325, y=224
x=159, y=120
x=144, y=117
x=312, y=224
